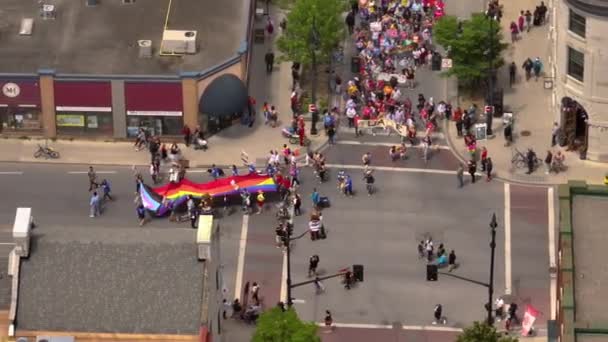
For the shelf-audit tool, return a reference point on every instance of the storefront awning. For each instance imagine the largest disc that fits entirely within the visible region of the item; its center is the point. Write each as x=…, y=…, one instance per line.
x=19, y=93
x=163, y=99
x=224, y=96
x=83, y=96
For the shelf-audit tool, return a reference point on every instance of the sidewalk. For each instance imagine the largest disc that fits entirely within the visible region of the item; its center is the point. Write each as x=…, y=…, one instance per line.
x=530, y=104
x=224, y=148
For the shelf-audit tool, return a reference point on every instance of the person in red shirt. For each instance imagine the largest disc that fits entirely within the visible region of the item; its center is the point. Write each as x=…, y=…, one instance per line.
x=484, y=158
x=187, y=135
x=357, y=118
x=301, y=135
x=457, y=117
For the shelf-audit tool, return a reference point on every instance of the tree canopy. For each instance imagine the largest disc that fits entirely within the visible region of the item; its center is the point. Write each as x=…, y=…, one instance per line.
x=295, y=42
x=481, y=332
x=277, y=326
x=472, y=44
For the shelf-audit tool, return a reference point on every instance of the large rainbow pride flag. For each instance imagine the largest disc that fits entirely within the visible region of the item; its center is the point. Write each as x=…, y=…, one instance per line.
x=177, y=193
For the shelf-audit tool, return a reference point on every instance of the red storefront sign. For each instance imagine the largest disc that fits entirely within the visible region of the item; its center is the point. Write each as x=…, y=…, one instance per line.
x=83, y=96
x=153, y=99
x=19, y=93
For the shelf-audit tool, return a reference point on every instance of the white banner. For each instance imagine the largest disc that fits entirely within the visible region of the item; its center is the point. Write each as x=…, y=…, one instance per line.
x=153, y=113
x=83, y=109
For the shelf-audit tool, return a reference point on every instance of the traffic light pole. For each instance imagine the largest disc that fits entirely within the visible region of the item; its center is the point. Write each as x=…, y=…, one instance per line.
x=493, y=226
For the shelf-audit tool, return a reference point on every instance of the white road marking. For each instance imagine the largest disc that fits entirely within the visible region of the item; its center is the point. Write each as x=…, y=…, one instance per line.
x=11, y=172
x=97, y=172
x=298, y=301
x=7, y=243
x=388, y=168
x=552, y=263
x=508, y=280
x=196, y=171
x=382, y=132
x=283, y=296
x=373, y=143
x=387, y=326
x=238, y=284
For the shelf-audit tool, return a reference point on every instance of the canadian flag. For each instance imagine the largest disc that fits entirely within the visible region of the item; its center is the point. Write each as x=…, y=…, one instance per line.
x=529, y=317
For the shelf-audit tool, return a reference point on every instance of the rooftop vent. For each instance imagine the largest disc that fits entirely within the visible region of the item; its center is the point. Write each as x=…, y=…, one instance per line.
x=178, y=42
x=145, y=48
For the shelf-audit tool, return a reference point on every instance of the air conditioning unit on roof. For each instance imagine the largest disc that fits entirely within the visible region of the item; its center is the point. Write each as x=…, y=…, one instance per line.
x=178, y=42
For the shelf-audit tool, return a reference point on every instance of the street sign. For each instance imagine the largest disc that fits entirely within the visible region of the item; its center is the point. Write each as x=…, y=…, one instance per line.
x=488, y=110
x=481, y=131
x=446, y=63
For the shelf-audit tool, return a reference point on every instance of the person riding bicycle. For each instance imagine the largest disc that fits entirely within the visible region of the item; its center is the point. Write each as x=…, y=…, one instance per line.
x=530, y=159
x=369, y=181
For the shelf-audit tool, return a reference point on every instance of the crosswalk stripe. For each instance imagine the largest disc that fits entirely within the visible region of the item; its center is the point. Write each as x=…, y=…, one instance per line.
x=375, y=143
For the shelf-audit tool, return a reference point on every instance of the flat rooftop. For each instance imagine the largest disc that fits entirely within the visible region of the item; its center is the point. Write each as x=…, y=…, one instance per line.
x=109, y=280
x=591, y=273
x=103, y=39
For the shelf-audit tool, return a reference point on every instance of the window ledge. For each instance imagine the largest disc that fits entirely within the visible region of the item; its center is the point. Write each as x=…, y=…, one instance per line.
x=576, y=37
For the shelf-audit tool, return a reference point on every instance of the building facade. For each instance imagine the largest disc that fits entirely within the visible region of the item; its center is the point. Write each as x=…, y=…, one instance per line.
x=580, y=72
x=58, y=103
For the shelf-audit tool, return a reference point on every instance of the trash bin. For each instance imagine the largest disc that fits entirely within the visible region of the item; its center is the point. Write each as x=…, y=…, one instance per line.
x=355, y=64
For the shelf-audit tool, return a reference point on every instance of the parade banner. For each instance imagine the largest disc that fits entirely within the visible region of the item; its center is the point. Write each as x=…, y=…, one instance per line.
x=529, y=317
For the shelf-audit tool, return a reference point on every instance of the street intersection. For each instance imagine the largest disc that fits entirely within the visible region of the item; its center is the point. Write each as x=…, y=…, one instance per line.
x=414, y=199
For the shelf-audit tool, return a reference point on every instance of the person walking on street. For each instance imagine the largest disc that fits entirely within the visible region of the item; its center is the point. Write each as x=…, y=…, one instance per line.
x=460, y=175
x=514, y=31
x=92, y=179
x=555, y=131
x=350, y=22
x=528, y=16
x=537, y=66
x=499, y=310
x=520, y=21
x=457, y=117
x=105, y=186
x=451, y=261
x=141, y=214
x=472, y=170
x=328, y=321
x=437, y=312
x=255, y=293
x=313, y=263
x=269, y=59
x=315, y=197
x=489, y=167
x=94, y=205
x=512, y=73
x=297, y=205
x=484, y=158
x=530, y=159
x=527, y=66
x=187, y=135
x=421, y=250
x=548, y=161
x=260, y=199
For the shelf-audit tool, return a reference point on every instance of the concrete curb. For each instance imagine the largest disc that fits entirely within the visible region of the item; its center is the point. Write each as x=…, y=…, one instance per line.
x=324, y=143
x=462, y=159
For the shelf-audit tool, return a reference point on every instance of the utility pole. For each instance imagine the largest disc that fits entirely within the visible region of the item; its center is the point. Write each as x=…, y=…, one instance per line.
x=315, y=42
x=493, y=226
x=489, y=116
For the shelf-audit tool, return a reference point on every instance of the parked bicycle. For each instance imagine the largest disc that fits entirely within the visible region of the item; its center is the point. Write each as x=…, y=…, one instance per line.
x=46, y=152
x=520, y=160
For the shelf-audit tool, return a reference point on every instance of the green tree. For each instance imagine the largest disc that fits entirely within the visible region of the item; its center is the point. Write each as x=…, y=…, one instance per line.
x=472, y=46
x=295, y=43
x=481, y=332
x=278, y=326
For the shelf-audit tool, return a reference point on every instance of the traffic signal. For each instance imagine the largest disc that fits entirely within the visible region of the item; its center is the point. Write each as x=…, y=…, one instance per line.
x=431, y=272
x=358, y=272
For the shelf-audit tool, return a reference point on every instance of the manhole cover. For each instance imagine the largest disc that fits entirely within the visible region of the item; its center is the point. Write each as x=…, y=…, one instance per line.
x=525, y=133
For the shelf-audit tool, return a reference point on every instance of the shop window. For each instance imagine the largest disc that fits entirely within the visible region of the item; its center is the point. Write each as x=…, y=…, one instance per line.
x=20, y=119
x=576, y=64
x=577, y=24
x=156, y=125
x=84, y=124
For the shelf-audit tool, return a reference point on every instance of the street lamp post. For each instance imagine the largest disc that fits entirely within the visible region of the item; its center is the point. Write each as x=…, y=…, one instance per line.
x=493, y=226
x=315, y=42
